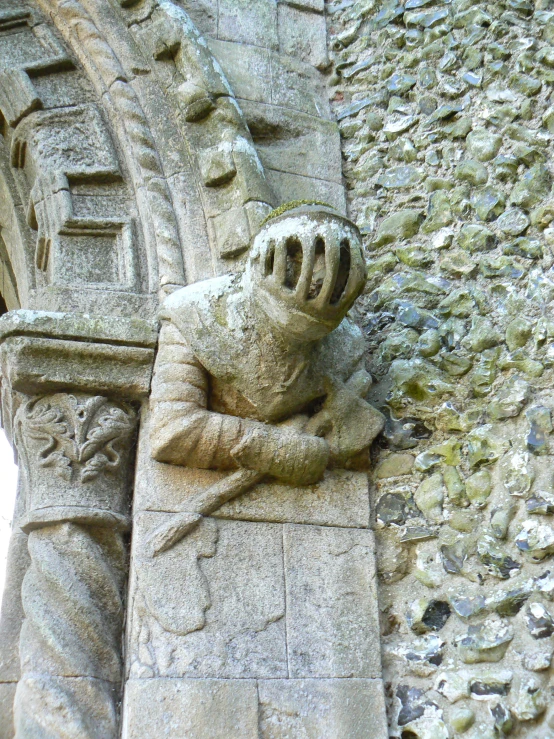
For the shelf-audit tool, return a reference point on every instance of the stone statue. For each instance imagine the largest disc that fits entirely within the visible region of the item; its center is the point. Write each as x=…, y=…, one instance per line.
x=263, y=371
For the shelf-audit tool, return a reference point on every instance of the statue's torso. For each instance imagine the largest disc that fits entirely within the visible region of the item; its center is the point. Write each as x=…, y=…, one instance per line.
x=251, y=375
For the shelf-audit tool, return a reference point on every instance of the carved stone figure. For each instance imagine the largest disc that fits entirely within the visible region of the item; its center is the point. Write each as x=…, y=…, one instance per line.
x=263, y=371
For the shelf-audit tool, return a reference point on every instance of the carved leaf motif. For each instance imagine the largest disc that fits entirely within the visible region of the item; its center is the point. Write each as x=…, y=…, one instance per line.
x=100, y=450
x=84, y=432
x=48, y=424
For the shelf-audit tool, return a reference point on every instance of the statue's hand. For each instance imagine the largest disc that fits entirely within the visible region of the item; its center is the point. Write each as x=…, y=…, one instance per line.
x=295, y=458
x=347, y=421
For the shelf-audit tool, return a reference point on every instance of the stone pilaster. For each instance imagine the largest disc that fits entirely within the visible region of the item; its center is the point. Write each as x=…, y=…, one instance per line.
x=75, y=450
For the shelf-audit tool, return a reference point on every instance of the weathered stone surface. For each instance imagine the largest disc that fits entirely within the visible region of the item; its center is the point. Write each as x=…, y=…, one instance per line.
x=303, y=34
x=206, y=709
x=257, y=27
x=12, y=610
x=332, y=622
x=7, y=695
x=322, y=709
x=231, y=623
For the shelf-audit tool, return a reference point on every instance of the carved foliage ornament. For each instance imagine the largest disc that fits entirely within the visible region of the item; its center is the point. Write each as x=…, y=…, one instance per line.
x=80, y=436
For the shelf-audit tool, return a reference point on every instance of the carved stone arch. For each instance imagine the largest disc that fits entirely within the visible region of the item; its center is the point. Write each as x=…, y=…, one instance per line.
x=128, y=149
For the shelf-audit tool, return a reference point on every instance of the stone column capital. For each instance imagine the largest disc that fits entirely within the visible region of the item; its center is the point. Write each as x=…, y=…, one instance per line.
x=45, y=353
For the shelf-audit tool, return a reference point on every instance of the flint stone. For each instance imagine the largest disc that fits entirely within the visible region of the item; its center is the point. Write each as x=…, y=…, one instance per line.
x=391, y=508
x=486, y=642
x=536, y=539
x=427, y=615
x=513, y=222
x=394, y=466
x=462, y=719
x=532, y=188
x=473, y=172
x=332, y=619
x=453, y=685
x=398, y=226
x=539, y=621
x=530, y=701
x=490, y=685
x=495, y=559
x=398, y=178
x=203, y=709
x=475, y=238
x=322, y=709
x=538, y=661
x=483, y=145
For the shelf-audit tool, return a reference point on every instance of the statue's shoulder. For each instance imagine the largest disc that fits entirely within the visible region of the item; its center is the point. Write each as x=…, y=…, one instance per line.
x=201, y=296
x=343, y=348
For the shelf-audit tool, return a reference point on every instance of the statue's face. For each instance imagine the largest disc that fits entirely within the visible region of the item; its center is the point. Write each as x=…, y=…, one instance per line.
x=306, y=270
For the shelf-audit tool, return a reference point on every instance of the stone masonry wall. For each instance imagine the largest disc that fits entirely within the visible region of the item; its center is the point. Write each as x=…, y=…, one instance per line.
x=447, y=124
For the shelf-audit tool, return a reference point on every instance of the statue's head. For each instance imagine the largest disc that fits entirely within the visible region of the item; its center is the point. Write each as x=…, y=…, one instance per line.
x=306, y=269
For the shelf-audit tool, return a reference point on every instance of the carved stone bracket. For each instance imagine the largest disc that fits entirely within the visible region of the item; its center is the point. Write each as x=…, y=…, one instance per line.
x=74, y=431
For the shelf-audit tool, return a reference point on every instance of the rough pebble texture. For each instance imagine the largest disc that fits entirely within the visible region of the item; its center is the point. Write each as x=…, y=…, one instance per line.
x=447, y=120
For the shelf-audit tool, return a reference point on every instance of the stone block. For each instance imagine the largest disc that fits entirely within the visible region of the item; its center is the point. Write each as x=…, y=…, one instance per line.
x=36, y=365
x=322, y=709
x=217, y=165
x=294, y=142
x=249, y=22
x=232, y=232
x=296, y=84
x=7, y=695
x=295, y=187
x=303, y=34
x=12, y=616
x=74, y=141
x=203, y=14
x=196, y=709
x=332, y=614
x=340, y=499
x=213, y=606
x=31, y=49
x=321, y=504
x=47, y=706
x=247, y=68
x=18, y=96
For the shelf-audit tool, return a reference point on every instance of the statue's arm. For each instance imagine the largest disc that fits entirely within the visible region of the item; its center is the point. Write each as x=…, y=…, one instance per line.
x=184, y=431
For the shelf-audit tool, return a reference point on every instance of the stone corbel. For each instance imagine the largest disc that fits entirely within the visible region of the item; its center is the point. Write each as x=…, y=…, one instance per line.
x=72, y=388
